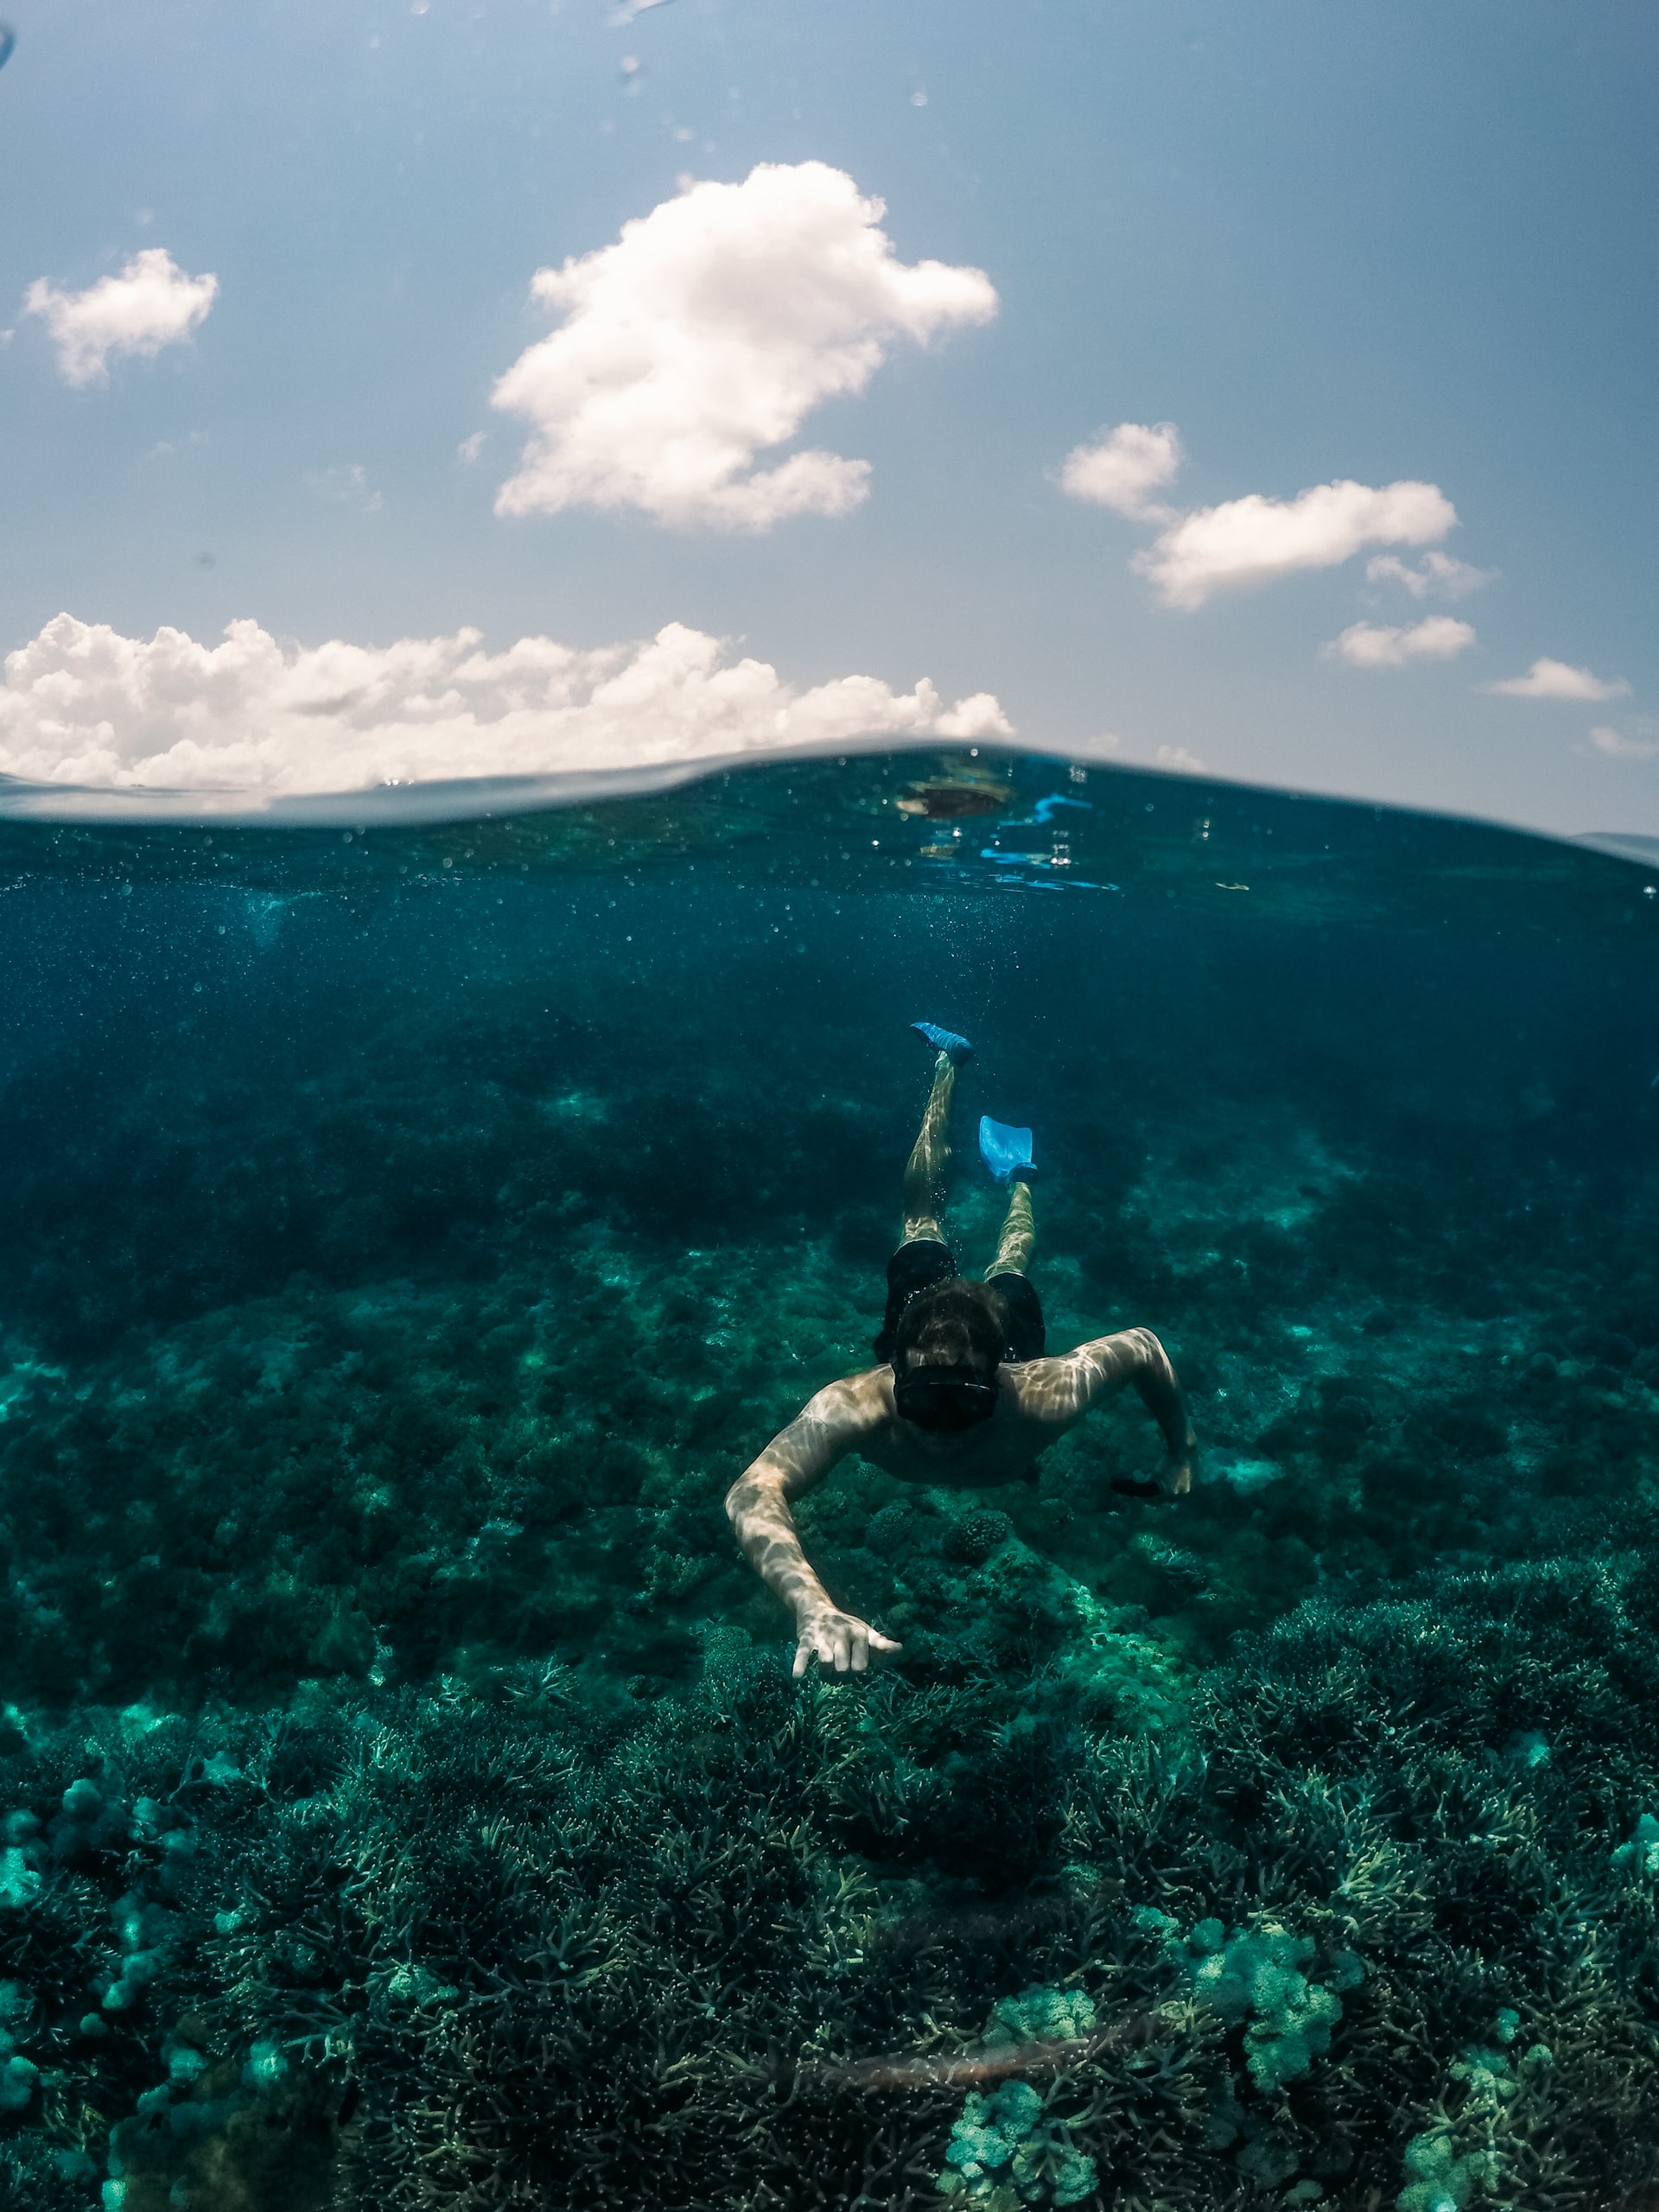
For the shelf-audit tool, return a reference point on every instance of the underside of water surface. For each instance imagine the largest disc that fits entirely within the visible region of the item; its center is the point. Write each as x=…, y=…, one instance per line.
x=412, y=1230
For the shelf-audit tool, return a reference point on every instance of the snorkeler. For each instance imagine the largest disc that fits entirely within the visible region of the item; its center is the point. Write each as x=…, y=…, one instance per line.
x=964, y=1395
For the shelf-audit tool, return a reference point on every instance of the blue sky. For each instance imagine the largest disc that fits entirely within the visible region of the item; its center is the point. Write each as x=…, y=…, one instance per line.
x=1379, y=246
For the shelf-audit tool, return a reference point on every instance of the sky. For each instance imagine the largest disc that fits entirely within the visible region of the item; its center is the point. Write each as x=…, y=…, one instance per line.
x=392, y=393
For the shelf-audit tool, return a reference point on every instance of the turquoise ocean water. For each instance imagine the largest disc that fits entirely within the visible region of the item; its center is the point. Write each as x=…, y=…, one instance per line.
x=411, y=1229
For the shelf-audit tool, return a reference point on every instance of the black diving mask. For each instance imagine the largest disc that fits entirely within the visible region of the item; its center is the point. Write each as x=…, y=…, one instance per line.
x=946, y=1399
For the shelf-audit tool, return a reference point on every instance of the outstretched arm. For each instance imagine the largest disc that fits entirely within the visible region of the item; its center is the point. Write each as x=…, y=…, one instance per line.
x=796, y=1459
x=1135, y=1355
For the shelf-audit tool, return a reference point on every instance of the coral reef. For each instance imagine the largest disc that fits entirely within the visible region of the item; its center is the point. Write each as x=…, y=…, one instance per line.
x=1040, y=2016
x=405, y=1801
x=429, y=1946
x=1006, y=2135
x=1256, y=1975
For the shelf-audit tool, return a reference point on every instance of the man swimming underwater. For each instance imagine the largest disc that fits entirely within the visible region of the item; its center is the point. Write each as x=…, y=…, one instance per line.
x=965, y=1396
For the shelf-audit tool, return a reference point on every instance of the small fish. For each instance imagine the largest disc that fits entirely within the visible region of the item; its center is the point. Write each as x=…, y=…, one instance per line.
x=8, y=40
x=938, y=2069
x=927, y=2071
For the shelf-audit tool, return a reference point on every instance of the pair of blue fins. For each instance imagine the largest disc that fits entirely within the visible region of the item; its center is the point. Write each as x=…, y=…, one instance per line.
x=1006, y=1151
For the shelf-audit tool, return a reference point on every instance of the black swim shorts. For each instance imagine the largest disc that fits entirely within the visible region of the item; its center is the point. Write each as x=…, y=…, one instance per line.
x=917, y=1266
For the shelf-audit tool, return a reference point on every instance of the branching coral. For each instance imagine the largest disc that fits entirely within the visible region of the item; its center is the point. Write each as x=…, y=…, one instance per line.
x=525, y=1943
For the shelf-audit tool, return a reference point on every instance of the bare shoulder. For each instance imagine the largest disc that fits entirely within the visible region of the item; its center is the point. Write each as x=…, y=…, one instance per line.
x=1061, y=1390
x=837, y=1418
x=853, y=1399
x=1052, y=1391
x=1121, y=1353
x=833, y=1422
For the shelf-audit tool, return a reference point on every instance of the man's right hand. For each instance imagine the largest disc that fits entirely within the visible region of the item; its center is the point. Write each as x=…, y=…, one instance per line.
x=1175, y=1481
x=841, y=1643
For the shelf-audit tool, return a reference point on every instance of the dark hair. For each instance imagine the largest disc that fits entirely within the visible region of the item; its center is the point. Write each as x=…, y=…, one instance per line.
x=955, y=1324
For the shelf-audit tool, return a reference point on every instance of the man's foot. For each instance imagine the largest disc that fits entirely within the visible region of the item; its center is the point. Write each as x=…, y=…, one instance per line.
x=955, y=1049
x=1004, y=1151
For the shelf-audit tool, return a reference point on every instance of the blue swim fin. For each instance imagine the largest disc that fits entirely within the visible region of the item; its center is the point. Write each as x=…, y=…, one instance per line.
x=1004, y=1151
x=945, y=1040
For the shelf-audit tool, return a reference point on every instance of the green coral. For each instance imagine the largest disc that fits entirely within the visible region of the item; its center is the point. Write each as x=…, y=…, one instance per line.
x=1007, y=2132
x=972, y=1538
x=1256, y=1976
x=1041, y=2016
x=1446, y=2176
x=19, y=2077
x=1640, y=1855
x=1442, y=2181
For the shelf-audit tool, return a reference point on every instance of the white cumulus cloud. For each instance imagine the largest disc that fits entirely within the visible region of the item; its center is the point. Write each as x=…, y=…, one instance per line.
x=1255, y=539
x=704, y=337
x=150, y=303
x=1176, y=758
x=249, y=719
x=1378, y=645
x=1123, y=467
x=1557, y=679
x=1440, y=575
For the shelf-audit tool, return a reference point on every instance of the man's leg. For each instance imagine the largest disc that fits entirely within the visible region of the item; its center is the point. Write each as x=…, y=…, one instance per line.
x=929, y=1157
x=1019, y=1239
x=1006, y=1275
x=923, y=1257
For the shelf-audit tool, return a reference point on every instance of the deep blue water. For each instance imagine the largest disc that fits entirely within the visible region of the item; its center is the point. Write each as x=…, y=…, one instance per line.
x=412, y=1231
